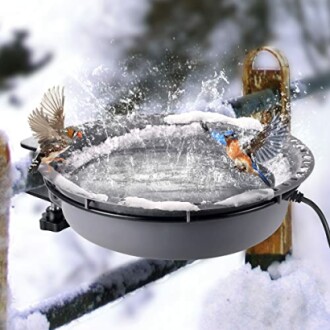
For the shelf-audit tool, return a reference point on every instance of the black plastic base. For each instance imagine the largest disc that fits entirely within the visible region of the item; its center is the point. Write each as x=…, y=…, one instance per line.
x=53, y=220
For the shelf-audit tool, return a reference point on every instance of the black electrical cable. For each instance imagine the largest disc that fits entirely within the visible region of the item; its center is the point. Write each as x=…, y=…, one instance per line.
x=298, y=197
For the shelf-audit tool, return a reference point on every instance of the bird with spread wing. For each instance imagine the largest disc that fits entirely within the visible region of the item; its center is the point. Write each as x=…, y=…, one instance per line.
x=262, y=147
x=47, y=124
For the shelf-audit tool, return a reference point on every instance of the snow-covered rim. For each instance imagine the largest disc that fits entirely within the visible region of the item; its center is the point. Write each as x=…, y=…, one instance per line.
x=91, y=201
x=158, y=215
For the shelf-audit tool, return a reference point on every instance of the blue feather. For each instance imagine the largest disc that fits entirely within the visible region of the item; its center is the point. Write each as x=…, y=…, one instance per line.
x=261, y=175
x=219, y=138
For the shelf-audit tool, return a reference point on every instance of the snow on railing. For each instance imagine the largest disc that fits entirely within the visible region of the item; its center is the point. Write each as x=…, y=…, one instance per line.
x=67, y=307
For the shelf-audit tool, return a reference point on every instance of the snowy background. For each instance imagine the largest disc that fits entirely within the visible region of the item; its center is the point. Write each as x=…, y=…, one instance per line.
x=159, y=55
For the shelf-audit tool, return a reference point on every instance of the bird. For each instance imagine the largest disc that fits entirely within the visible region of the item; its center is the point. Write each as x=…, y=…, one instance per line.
x=262, y=147
x=47, y=125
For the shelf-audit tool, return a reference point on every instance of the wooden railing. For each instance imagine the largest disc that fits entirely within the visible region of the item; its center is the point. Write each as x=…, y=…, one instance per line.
x=5, y=194
x=277, y=246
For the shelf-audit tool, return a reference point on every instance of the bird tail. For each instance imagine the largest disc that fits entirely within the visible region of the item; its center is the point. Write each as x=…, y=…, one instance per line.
x=35, y=163
x=261, y=175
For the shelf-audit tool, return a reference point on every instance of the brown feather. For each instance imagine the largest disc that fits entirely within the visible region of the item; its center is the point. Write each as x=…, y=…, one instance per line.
x=39, y=124
x=53, y=104
x=47, y=124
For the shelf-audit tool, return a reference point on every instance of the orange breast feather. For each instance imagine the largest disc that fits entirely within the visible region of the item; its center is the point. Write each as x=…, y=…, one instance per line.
x=241, y=159
x=234, y=150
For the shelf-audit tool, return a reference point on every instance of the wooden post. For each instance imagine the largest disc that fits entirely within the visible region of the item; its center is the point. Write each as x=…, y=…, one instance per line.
x=277, y=246
x=5, y=193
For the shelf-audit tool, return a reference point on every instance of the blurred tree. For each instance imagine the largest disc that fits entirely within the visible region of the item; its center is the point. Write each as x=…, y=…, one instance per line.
x=313, y=18
x=16, y=59
x=189, y=39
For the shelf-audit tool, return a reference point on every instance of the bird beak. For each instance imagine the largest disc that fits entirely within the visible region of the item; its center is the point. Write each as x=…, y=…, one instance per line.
x=79, y=135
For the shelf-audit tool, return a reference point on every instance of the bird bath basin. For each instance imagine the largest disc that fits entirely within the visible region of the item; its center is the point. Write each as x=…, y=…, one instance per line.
x=140, y=186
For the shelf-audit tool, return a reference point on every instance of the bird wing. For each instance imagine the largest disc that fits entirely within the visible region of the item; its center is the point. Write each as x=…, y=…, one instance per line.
x=41, y=127
x=268, y=142
x=53, y=105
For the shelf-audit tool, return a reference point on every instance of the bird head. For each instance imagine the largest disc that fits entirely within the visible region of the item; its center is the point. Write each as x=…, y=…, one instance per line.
x=73, y=132
x=230, y=135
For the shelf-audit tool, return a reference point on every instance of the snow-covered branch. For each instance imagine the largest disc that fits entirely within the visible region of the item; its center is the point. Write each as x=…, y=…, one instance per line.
x=22, y=180
x=107, y=288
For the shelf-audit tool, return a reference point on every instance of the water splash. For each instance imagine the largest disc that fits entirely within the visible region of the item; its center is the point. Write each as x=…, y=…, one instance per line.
x=160, y=163
x=129, y=91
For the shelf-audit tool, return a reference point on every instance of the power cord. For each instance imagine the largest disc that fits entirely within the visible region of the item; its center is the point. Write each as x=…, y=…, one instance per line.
x=298, y=197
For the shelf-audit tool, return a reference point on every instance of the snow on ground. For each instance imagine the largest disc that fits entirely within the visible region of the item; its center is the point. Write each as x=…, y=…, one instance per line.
x=251, y=299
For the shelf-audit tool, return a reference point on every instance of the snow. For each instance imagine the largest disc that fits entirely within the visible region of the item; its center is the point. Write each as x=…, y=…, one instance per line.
x=61, y=182
x=251, y=299
x=291, y=296
x=173, y=302
x=35, y=321
x=166, y=205
x=250, y=196
x=20, y=171
x=211, y=117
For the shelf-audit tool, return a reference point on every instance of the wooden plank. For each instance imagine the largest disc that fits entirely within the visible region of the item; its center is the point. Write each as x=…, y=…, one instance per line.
x=278, y=245
x=5, y=193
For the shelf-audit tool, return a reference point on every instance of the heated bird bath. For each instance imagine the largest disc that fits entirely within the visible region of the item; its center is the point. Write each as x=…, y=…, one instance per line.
x=157, y=186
